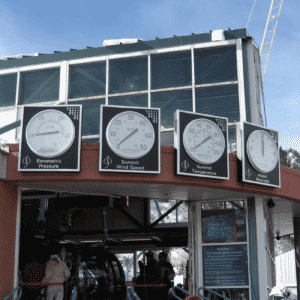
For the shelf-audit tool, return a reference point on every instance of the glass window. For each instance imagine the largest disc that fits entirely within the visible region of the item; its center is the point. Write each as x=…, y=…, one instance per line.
x=8, y=86
x=169, y=102
x=214, y=65
x=159, y=207
x=171, y=70
x=224, y=222
x=167, y=138
x=232, y=138
x=8, y=116
x=222, y=101
x=87, y=80
x=39, y=86
x=128, y=75
x=90, y=116
x=133, y=100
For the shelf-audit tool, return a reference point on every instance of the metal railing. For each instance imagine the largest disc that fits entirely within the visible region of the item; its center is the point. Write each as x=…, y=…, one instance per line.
x=131, y=290
x=210, y=291
x=180, y=289
x=12, y=293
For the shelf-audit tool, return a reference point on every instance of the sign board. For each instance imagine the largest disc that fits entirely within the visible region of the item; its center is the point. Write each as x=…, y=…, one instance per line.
x=201, y=143
x=50, y=139
x=260, y=157
x=225, y=265
x=218, y=226
x=129, y=139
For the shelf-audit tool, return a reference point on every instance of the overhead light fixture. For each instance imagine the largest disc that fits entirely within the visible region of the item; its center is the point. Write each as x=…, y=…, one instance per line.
x=271, y=203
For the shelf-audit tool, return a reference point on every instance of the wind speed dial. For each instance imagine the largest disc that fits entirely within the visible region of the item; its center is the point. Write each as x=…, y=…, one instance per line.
x=204, y=141
x=50, y=133
x=130, y=135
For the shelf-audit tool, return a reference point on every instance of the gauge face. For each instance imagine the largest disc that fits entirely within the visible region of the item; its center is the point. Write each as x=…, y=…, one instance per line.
x=262, y=151
x=130, y=135
x=50, y=133
x=203, y=140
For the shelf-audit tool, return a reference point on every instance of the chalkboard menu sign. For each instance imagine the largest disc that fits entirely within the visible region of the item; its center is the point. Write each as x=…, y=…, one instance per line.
x=218, y=226
x=225, y=265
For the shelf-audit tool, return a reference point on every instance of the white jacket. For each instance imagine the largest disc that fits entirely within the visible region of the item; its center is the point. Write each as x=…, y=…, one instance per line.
x=56, y=272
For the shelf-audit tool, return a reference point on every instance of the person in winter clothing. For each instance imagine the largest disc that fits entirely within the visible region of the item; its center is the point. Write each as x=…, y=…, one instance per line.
x=154, y=276
x=56, y=272
x=168, y=274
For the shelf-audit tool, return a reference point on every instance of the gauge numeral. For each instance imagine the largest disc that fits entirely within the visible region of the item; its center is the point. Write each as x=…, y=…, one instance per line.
x=118, y=122
x=143, y=122
x=208, y=126
x=216, y=134
x=199, y=125
x=219, y=144
x=113, y=133
x=217, y=152
x=192, y=130
x=130, y=117
x=67, y=135
x=118, y=146
x=143, y=147
x=147, y=135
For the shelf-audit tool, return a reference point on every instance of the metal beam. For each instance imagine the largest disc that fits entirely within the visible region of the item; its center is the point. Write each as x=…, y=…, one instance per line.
x=10, y=126
x=236, y=205
x=128, y=215
x=151, y=226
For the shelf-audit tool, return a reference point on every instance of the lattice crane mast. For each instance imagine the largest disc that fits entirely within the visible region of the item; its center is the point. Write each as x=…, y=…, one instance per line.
x=269, y=34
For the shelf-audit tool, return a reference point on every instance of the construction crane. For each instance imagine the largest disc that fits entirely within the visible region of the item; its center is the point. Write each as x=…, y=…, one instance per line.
x=269, y=34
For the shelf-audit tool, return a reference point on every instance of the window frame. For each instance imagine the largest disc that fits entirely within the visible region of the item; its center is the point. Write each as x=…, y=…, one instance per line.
x=64, y=76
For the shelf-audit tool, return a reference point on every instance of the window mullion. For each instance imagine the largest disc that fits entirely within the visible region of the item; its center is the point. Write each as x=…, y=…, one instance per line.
x=193, y=80
x=107, y=81
x=149, y=80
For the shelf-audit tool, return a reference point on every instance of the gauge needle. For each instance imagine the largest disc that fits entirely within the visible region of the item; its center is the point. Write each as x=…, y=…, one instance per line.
x=203, y=142
x=50, y=132
x=128, y=136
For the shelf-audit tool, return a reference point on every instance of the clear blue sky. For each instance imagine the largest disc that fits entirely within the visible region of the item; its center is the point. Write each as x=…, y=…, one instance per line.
x=43, y=27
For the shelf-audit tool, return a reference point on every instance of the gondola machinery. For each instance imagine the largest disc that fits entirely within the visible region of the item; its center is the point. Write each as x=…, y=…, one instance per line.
x=96, y=272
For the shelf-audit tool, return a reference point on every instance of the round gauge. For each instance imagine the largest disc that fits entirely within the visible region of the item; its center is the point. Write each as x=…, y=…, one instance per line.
x=50, y=133
x=130, y=135
x=204, y=141
x=262, y=151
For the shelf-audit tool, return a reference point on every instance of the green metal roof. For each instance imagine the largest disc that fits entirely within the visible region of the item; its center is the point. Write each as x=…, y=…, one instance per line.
x=13, y=62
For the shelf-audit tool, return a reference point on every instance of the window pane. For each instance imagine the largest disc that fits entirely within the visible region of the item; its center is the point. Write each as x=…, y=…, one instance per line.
x=134, y=100
x=171, y=70
x=169, y=102
x=91, y=140
x=222, y=101
x=8, y=116
x=90, y=116
x=232, y=138
x=159, y=208
x=8, y=86
x=167, y=138
x=128, y=75
x=215, y=65
x=39, y=86
x=213, y=215
x=87, y=80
